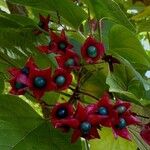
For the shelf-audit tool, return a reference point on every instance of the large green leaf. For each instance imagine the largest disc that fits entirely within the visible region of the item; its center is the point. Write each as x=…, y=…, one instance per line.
x=17, y=42
x=124, y=43
x=21, y=128
x=46, y=138
x=93, y=81
x=143, y=25
x=133, y=72
x=18, y=19
x=17, y=57
x=69, y=11
x=105, y=30
x=5, y=22
x=108, y=142
x=11, y=37
x=125, y=80
x=109, y=9
x=17, y=120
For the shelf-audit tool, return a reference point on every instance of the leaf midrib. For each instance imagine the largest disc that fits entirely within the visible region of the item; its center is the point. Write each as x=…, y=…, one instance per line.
x=12, y=147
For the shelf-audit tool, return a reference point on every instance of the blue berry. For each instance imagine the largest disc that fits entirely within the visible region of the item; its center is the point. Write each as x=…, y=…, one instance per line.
x=70, y=62
x=122, y=123
x=62, y=113
x=39, y=82
x=60, y=80
x=102, y=111
x=92, y=51
x=25, y=70
x=62, y=45
x=85, y=127
x=121, y=109
x=19, y=85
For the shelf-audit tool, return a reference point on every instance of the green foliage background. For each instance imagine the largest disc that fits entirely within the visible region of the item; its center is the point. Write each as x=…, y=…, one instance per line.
x=123, y=25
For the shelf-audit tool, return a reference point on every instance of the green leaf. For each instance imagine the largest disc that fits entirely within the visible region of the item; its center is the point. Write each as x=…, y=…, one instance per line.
x=5, y=22
x=109, y=9
x=42, y=60
x=18, y=19
x=17, y=45
x=7, y=59
x=76, y=39
x=45, y=137
x=67, y=9
x=51, y=98
x=17, y=120
x=124, y=43
x=3, y=66
x=21, y=37
x=127, y=82
x=105, y=30
x=22, y=128
x=53, y=61
x=2, y=3
x=2, y=85
x=76, y=46
x=144, y=14
x=143, y=25
x=133, y=72
x=15, y=31
x=93, y=81
x=109, y=142
x=117, y=85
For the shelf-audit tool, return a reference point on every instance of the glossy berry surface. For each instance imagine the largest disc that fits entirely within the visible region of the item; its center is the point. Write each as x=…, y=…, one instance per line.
x=19, y=85
x=92, y=51
x=85, y=127
x=39, y=82
x=70, y=62
x=102, y=111
x=121, y=109
x=60, y=80
x=122, y=123
x=25, y=70
x=62, y=45
x=62, y=113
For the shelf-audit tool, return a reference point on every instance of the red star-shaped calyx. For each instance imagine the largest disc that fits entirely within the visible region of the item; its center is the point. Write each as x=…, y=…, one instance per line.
x=43, y=24
x=40, y=82
x=70, y=61
x=92, y=50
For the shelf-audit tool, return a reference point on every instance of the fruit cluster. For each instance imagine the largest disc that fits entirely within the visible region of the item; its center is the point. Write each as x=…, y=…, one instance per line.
x=40, y=81
x=86, y=120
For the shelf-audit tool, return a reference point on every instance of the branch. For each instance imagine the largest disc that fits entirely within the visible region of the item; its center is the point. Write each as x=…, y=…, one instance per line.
x=88, y=94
